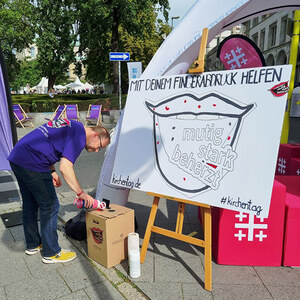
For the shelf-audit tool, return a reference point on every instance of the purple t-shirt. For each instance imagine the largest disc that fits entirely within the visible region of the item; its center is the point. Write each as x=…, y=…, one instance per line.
x=44, y=146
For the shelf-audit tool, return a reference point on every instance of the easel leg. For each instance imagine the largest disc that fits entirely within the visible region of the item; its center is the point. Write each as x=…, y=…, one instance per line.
x=207, y=249
x=180, y=217
x=149, y=228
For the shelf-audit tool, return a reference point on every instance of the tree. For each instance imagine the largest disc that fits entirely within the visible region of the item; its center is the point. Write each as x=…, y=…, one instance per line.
x=16, y=31
x=28, y=75
x=102, y=22
x=144, y=47
x=57, y=29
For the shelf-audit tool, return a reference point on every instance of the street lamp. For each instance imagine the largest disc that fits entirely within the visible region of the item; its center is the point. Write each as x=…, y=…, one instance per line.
x=174, y=18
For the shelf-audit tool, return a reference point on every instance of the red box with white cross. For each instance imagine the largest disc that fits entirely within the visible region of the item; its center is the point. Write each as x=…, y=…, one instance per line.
x=285, y=154
x=295, y=167
x=242, y=239
x=291, y=248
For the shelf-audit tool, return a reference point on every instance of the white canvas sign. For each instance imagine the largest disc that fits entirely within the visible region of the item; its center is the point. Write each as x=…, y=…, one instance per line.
x=211, y=138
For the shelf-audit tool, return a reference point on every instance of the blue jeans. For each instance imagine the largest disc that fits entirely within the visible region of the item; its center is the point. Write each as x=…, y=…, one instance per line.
x=38, y=191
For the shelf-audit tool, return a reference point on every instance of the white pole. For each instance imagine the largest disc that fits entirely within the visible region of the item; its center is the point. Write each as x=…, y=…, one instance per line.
x=120, y=85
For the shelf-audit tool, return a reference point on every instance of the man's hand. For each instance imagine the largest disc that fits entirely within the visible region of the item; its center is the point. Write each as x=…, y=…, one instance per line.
x=88, y=200
x=56, y=179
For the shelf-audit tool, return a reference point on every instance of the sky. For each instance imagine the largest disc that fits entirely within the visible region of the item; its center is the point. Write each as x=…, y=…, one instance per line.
x=179, y=8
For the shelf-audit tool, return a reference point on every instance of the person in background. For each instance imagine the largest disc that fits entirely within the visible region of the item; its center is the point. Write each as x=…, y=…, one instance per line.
x=33, y=162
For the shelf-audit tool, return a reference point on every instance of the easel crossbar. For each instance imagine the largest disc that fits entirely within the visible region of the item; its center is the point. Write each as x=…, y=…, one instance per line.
x=178, y=236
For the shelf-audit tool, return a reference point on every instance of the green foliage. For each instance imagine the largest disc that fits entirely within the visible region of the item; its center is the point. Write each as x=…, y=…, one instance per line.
x=43, y=103
x=104, y=27
x=57, y=27
x=16, y=31
x=28, y=75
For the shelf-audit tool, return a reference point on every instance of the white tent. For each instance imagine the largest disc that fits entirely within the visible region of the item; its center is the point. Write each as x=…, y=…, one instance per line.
x=60, y=87
x=73, y=85
x=77, y=80
x=87, y=86
x=42, y=87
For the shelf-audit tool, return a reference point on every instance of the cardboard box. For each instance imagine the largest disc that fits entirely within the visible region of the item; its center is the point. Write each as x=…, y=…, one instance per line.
x=107, y=233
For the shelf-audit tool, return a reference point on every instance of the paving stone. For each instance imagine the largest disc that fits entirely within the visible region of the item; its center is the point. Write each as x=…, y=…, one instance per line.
x=178, y=269
x=37, y=267
x=172, y=247
x=278, y=275
x=240, y=292
x=78, y=276
x=234, y=275
x=18, y=233
x=195, y=291
x=78, y=295
x=38, y=287
x=110, y=274
x=2, y=293
x=15, y=271
x=5, y=235
x=161, y=290
x=284, y=292
x=130, y=292
x=103, y=290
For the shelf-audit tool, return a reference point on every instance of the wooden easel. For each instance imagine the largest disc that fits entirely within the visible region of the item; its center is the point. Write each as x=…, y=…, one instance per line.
x=205, y=209
x=177, y=234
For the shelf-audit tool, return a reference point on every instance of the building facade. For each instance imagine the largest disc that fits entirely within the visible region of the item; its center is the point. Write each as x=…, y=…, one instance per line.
x=272, y=34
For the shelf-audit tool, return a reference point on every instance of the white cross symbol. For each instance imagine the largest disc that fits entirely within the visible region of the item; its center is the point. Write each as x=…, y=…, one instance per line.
x=241, y=216
x=244, y=61
x=298, y=172
x=281, y=165
x=233, y=67
x=261, y=235
x=251, y=226
x=240, y=235
x=227, y=56
x=235, y=58
x=238, y=50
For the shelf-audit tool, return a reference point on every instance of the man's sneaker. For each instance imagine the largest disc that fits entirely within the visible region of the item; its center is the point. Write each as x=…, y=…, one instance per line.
x=62, y=256
x=34, y=250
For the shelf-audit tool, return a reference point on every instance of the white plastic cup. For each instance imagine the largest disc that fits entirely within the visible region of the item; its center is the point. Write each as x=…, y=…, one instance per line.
x=134, y=264
x=133, y=242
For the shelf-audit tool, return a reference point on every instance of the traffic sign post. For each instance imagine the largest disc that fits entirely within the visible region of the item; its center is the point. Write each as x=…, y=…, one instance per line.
x=119, y=56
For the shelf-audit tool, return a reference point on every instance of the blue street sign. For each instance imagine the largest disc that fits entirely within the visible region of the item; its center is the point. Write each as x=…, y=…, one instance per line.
x=119, y=56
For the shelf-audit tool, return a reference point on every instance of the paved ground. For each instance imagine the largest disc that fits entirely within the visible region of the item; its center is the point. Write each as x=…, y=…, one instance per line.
x=172, y=269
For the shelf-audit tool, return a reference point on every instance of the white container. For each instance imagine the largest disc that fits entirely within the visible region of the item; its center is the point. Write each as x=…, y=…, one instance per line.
x=133, y=242
x=134, y=264
x=134, y=255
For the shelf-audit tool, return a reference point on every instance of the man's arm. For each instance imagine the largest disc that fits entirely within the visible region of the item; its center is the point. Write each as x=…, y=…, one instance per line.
x=67, y=171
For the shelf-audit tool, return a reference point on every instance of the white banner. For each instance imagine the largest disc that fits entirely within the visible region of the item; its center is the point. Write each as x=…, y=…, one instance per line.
x=211, y=138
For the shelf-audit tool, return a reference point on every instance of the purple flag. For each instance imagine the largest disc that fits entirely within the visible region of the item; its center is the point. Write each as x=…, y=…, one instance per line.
x=7, y=127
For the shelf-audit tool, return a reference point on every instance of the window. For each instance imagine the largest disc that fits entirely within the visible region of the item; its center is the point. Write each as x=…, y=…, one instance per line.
x=255, y=22
x=262, y=40
x=283, y=30
x=32, y=52
x=255, y=38
x=272, y=35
